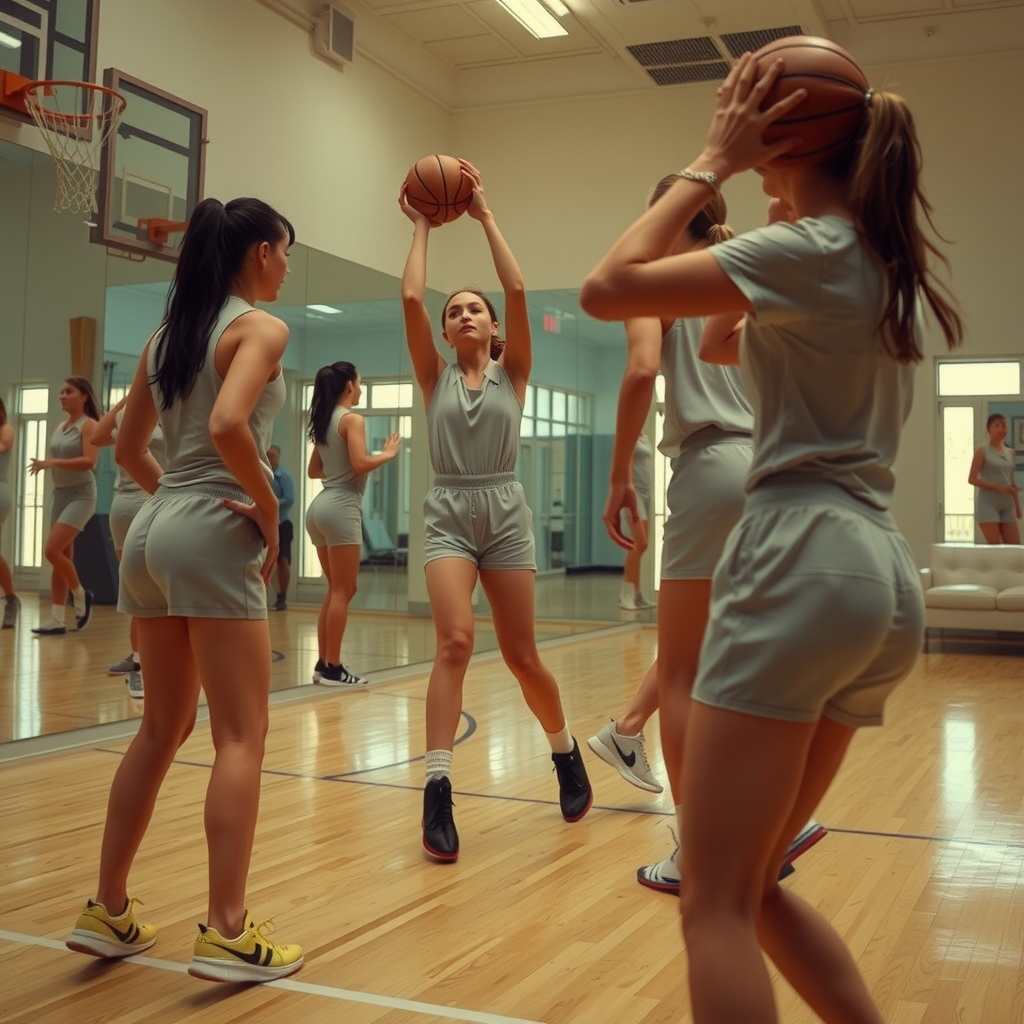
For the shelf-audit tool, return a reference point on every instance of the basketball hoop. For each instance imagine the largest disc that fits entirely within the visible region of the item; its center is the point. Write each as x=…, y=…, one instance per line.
x=75, y=119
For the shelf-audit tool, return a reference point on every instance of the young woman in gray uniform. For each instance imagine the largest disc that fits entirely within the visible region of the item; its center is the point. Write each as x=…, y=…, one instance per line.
x=334, y=519
x=816, y=610
x=194, y=570
x=996, y=496
x=631, y=596
x=477, y=522
x=12, y=605
x=72, y=460
x=128, y=499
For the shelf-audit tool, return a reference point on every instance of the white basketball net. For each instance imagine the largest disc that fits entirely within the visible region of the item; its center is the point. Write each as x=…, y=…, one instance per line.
x=76, y=119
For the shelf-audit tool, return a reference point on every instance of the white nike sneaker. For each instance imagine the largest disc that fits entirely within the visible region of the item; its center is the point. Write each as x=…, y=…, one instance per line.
x=626, y=754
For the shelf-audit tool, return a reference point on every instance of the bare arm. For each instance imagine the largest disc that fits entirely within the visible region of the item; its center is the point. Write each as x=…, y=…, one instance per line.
x=975, y=480
x=6, y=438
x=106, y=426
x=315, y=469
x=87, y=460
x=427, y=364
x=720, y=339
x=131, y=449
x=352, y=430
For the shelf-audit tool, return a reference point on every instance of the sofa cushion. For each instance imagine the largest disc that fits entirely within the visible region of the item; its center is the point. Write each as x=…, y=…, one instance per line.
x=1011, y=600
x=961, y=595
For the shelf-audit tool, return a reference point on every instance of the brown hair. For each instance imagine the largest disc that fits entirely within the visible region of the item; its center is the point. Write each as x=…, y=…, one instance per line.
x=497, y=344
x=709, y=224
x=92, y=407
x=3, y=413
x=883, y=167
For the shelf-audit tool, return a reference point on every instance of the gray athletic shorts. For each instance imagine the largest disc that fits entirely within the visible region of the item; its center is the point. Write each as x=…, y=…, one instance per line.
x=186, y=554
x=484, y=519
x=816, y=609
x=705, y=499
x=73, y=506
x=124, y=506
x=5, y=501
x=990, y=507
x=335, y=516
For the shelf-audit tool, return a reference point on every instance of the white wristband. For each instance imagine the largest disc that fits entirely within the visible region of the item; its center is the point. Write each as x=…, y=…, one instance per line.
x=704, y=177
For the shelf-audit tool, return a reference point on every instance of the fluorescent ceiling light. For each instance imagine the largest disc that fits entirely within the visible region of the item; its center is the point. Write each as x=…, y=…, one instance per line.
x=10, y=41
x=534, y=17
x=324, y=309
x=556, y=7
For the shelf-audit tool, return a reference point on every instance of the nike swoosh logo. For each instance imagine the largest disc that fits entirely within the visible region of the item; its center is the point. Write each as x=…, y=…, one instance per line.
x=127, y=936
x=628, y=759
x=259, y=957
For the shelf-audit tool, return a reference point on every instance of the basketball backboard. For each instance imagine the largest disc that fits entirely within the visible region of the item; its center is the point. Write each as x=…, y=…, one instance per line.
x=151, y=168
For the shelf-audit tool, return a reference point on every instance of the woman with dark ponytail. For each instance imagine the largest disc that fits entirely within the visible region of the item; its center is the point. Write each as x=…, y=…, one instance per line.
x=194, y=570
x=72, y=459
x=334, y=518
x=816, y=608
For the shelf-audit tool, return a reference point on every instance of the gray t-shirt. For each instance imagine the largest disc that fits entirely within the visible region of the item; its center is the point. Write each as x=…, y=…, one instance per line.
x=698, y=394
x=829, y=401
x=338, y=471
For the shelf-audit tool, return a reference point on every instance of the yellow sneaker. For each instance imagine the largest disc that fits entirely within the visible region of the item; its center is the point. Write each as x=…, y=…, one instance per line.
x=99, y=934
x=250, y=957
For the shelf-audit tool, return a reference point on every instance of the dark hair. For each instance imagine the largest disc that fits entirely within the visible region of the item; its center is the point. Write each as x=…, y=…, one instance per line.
x=995, y=416
x=3, y=413
x=213, y=251
x=709, y=224
x=883, y=166
x=328, y=386
x=92, y=407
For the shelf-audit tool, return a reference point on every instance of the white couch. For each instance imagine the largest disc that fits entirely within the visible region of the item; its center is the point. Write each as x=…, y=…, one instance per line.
x=974, y=586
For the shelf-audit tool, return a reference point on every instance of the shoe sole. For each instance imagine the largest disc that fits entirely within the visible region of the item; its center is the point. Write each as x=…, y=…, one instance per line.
x=669, y=888
x=583, y=813
x=804, y=844
x=115, y=671
x=443, y=858
x=223, y=970
x=611, y=758
x=108, y=949
x=324, y=681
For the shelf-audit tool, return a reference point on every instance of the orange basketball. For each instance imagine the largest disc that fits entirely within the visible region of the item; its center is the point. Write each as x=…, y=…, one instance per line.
x=833, y=111
x=437, y=188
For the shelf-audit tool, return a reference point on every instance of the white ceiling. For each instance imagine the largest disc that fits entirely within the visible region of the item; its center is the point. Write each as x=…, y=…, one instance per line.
x=472, y=53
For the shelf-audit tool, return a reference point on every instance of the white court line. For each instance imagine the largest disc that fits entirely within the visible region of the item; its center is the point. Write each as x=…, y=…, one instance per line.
x=328, y=992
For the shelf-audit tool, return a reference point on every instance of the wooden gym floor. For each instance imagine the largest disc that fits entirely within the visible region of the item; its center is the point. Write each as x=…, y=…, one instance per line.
x=539, y=921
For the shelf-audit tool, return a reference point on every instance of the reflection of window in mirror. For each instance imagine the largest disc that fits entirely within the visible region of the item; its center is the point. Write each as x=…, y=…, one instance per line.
x=32, y=433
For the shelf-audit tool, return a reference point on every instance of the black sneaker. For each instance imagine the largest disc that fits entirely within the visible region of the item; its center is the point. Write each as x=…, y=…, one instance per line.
x=83, y=619
x=50, y=628
x=318, y=669
x=574, y=793
x=440, y=839
x=338, y=675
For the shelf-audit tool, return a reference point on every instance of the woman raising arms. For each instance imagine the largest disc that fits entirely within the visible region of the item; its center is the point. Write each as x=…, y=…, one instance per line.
x=477, y=522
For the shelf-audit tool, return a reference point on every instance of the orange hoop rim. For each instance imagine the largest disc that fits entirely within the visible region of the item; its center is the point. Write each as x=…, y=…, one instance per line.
x=118, y=107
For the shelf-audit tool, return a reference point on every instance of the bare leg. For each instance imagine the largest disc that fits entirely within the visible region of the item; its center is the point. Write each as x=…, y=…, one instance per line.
x=344, y=576
x=168, y=714
x=631, y=568
x=991, y=533
x=284, y=576
x=1010, y=533
x=450, y=583
x=510, y=593
x=59, y=551
x=6, y=582
x=643, y=705
x=321, y=619
x=233, y=656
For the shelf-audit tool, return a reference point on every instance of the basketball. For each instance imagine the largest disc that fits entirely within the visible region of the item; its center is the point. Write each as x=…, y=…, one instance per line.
x=436, y=187
x=834, y=109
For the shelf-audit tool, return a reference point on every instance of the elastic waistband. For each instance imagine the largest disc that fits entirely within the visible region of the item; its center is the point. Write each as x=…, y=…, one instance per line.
x=708, y=436
x=786, y=490
x=457, y=481
x=205, y=490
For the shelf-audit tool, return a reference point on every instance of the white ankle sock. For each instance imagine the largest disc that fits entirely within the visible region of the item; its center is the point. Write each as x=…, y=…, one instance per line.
x=78, y=595
x=561, y=742
x=57, y=614
x=439, y=762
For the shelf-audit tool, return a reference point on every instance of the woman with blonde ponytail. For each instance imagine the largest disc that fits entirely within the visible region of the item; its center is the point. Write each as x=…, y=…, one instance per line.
x=816, y=609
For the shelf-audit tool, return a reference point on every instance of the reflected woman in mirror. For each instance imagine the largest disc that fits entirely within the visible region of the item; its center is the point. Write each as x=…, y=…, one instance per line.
x=194, y=571
x=478, y=525
x=72, y=459
x=334, y=519
x=12, y=605
x=631, y=595
x=996, y=495
x=128, y=498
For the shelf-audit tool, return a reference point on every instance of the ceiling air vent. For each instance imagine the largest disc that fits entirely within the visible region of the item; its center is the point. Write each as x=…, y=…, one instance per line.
x=701, y=58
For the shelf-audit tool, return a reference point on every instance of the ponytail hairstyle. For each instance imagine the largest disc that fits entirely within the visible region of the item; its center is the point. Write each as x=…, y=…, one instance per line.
x=709, y=225
x=92, y=407
x=328, y=387
x=213, y=251
x=883, y=167
x=497, y=343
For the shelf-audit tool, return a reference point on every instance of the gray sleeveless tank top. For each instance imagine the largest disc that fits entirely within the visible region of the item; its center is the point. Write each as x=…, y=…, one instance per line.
x=123, y=483
x=698, y=394
x=67, y=444
x=192, y=457
x=998, y=468
x=473, y=433
x=338, y=471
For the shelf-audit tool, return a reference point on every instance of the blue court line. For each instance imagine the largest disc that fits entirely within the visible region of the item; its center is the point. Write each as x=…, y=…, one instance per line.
x=305, y=988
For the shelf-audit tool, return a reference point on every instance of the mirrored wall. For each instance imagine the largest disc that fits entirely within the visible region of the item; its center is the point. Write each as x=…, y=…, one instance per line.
x=335, y=310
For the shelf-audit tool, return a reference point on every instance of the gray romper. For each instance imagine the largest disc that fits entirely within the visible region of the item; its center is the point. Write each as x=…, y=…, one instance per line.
x=5, y=487
x=990, y=507
x=74, y=490
x=186, y=553
x=707, y=437
x=816, y=603
x=335, y=515
x=129, y=497
x=476, y=508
